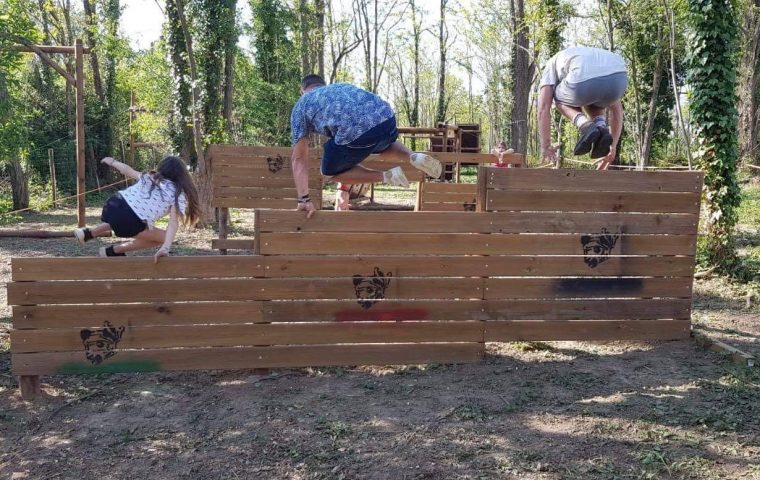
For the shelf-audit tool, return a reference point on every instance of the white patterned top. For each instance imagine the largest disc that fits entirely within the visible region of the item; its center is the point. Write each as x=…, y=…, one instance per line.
x=149, y=205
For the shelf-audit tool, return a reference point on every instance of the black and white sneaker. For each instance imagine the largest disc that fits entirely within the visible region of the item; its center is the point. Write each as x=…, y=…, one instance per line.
x=108, y=252
x=82, y=234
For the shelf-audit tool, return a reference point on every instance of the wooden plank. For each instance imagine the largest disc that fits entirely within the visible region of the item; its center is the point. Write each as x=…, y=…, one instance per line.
x=433, y=187
x=472, y=266
x=375, y=222
x=89, y=268
x=479, y=158
x=648, y=202
x=255, y=192
x=144, y=314
x=232, y=243
x=593, y=180
x=627, y=287
x=248, y=357
x=464, y=243
x=259, y=166
x=449, y=197
x=593, y=223
x=63, y=340
x=587, y=330
x=126, y=291
x=488, y=222
x=247, y=150
x=448, y=207
x=254, y=203
x=252, y=181
x=607, y=309
x=447, y=310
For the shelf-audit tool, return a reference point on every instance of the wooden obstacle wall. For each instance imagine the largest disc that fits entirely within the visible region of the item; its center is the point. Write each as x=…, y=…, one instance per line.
x=447, y=197
x=255, y=177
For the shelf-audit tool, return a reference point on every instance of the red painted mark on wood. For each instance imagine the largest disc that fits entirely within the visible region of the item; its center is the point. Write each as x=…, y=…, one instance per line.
x=397, y=314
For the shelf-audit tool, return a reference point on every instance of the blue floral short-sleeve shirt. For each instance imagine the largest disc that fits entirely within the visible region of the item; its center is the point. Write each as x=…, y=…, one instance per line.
x=340, y=111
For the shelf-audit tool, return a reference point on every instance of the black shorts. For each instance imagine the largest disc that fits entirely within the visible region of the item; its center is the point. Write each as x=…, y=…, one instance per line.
x=123, y=220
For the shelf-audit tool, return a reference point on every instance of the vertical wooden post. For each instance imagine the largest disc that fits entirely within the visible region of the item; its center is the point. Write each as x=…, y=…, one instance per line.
x=371, y=193
x=480, y=205
x=224, y=214
x=418, y=200
x=79, y=65
x=53, y=184
x=30, y=386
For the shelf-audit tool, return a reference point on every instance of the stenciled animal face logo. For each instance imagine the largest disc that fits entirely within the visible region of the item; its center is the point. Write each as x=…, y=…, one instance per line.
x=371, y=289
x=597, y=248
x=275, y=163
x=100, y=343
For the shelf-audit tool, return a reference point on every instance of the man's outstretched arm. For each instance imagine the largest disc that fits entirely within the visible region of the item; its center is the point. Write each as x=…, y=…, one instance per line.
x=300, y=162
x=545, y=98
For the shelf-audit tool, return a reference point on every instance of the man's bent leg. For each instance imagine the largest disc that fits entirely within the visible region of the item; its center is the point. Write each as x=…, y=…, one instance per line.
x=589, y=132
x=359, y=174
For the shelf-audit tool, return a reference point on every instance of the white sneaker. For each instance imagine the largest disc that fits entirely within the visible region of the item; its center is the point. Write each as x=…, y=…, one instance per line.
x=427, y=164
x=79, y=233
x=395, y=176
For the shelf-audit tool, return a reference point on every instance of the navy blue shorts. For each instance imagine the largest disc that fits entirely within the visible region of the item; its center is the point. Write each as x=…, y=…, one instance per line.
x=340, y=158
x=123, y=220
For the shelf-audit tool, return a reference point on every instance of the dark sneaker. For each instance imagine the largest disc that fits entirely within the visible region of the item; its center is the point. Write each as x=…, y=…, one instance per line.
x=108, y=252
x=589, y=134
x=602, y=145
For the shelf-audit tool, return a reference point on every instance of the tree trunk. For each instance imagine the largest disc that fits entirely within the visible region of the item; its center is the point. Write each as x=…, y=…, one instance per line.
x=319, y=7
x=91, y=21
x=646, y=147
x=303, y=15
x=229, y=74
x=443, y=34
x=522, y=74
x=19, y=184
x=748, y=84
x=203, y=177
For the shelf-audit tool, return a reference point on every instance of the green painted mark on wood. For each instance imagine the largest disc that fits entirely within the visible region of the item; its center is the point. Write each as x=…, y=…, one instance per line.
x=111, y=367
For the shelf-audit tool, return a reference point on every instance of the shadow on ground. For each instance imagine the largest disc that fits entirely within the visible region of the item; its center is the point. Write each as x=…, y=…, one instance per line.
x=529, y=411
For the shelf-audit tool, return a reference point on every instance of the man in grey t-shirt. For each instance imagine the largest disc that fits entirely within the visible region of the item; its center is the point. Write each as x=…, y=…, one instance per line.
x=583, y=82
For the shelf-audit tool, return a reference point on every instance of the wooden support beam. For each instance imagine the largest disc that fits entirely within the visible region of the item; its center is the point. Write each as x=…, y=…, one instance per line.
x=34, y=234
x=30, y=386
x=47, y=49
x=79, y=63
x=44, y=57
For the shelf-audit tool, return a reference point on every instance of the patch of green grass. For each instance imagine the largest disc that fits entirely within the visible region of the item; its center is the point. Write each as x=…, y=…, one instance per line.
x=531, y=346
x=749, y=209
x=656, y=463
x=469, y=412
x=336, y=430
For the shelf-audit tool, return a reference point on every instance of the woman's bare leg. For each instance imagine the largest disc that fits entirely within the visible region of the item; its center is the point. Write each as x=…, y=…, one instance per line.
x=143, y=240
x=100, y=230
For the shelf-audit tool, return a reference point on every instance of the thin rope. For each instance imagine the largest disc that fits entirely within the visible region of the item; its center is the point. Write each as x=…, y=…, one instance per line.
x=65, y=198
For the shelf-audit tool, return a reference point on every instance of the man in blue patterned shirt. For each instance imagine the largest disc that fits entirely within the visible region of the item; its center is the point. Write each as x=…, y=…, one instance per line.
x=358, y=123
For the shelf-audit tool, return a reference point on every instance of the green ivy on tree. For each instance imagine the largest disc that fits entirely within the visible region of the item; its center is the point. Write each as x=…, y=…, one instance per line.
x=712, y=75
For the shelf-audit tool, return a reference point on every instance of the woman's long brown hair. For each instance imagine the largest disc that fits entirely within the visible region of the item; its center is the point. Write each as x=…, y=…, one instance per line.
x=174, y=169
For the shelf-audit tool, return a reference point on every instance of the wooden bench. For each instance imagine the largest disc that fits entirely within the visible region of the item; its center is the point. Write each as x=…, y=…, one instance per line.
x=255, y=177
